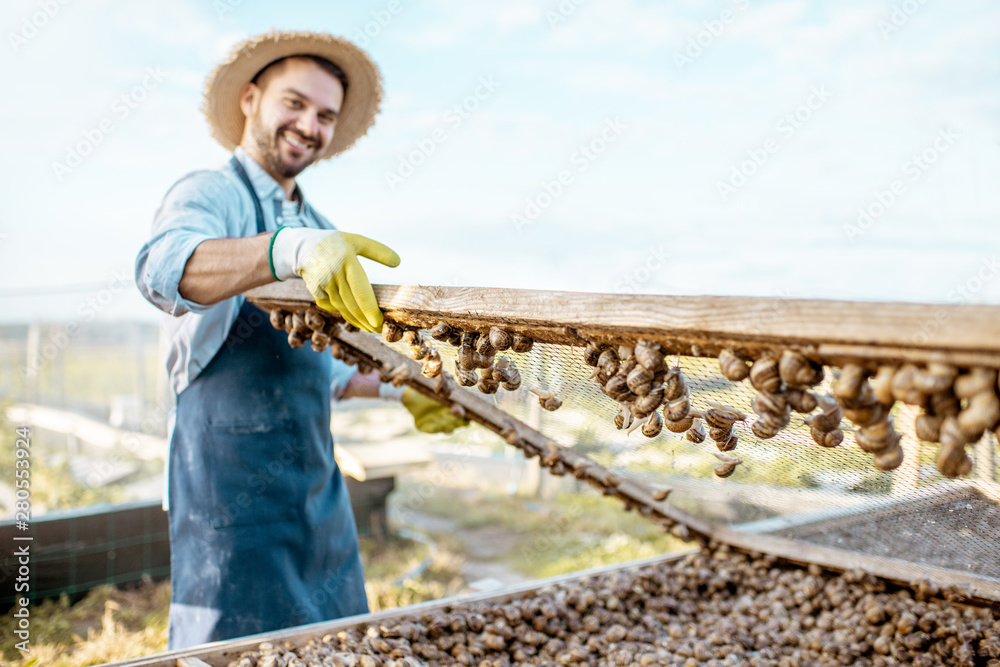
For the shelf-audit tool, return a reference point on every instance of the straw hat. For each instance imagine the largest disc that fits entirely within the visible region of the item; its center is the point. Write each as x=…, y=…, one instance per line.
x=224, y=85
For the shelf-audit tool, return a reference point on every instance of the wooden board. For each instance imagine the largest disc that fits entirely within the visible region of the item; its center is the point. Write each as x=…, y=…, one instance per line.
x=828, y=330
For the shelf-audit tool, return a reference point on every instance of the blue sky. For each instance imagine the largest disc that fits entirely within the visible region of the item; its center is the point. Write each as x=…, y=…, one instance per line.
x=731, y=144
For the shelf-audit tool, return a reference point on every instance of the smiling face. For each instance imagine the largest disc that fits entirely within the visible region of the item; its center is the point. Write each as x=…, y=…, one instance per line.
x=290, y=112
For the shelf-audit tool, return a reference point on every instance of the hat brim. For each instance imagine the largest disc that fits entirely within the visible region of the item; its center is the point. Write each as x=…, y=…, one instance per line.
x=225, y=84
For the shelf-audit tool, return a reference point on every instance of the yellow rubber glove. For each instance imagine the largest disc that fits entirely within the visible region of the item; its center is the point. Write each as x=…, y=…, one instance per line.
x=429, y=416
x=328, y=262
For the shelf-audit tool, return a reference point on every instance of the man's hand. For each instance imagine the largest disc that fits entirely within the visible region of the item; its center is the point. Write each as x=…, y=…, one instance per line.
x=430, y=416
x=328, y=262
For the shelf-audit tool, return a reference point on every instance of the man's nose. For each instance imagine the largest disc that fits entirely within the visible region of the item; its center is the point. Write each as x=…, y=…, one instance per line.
x=308, y=124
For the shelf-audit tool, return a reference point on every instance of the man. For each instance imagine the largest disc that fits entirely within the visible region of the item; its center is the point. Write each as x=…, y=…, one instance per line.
x=261, y=530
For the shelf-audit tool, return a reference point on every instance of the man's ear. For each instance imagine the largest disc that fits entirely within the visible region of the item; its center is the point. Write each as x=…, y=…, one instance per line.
x=249, y=99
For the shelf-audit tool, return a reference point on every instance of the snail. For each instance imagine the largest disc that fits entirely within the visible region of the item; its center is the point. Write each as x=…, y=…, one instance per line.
x=904, y=385
x=801, y=400
x=980, y=414
x=660, y=492
x=391, y=332
x=677, y=409
x=432, y=365
x=674, y=385
x=624, y=418
x=733, y=367
x=653, y=425
x=617, y=388
x=520, y=343
x=505, y=372
x=608, y=362
x=468, y=358
x=882, y=385
x=500, y=339
x=640, y=380
x=277, y=318
x=651, y=401
x=952, y=460
x=829, y=417
x=934, y=379
x=466, y=378
x=796, y=370
x=442, y=331
x=591, y=354
x=649, y=356
x=547, y=399
x=486, y=383
x=976, y=381
x=727, y=464
x=764, y=375
x=412, y=337
x=399, y=375
x=928, y=427
x=484, y=347
x=419, y=351
x=696, y=433
x=847, y=385
x=728, y=444
x=680, y=425
x=889, y=458
x=827, y=438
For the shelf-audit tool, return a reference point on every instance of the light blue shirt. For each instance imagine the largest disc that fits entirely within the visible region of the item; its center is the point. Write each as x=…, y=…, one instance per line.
x=201, y=206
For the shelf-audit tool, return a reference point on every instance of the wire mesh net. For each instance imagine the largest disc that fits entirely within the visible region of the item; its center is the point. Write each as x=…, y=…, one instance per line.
x=786, y=485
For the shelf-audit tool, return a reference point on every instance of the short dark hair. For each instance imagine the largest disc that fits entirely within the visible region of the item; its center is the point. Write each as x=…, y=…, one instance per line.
x=327, y=66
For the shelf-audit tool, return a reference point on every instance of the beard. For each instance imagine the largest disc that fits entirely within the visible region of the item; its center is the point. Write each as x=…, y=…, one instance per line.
x=267, y=145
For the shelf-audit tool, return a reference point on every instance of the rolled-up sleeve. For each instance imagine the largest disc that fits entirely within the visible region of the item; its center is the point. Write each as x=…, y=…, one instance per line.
x=342, y=374
x=193, y=211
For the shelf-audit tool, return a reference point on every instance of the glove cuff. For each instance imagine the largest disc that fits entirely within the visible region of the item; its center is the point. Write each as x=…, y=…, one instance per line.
x=290, y=246
x=270, y=254
x=390, y=393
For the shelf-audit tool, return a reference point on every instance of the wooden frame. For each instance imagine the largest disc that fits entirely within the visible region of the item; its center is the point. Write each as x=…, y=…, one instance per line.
x=833, y=332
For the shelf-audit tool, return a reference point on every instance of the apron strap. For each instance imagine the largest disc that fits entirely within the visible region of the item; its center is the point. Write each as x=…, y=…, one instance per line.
x=242, y=173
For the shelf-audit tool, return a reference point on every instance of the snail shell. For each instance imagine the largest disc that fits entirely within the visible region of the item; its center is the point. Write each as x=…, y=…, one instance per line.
x=468, y=358
x=976, y=381
x=882, y=430
x=889, y=459
x=945, y=404
x=465, y=378
x=319, y=341
x=847, y=385
x=485, y=362
x=591, y=354
x=314, y=320
x=653, y=425
x=952, y=433
x=391, y=332
x=608, y=362
x=680, y=425
x=719, y=418
x=442, y=331
x=934, y=379
x=798, y=371
x=801, y=400
x=299, y=325
x=485, y=347
x=640, y=380
x=513, y=381
x=547, y=399
x=674, y=385
x=625, y=351
x=872, y=444
x=412, y=337
x=764, y=375
x=660, y=492
x=500, y=339
x=729, y=444
x=882, y=385
x=521, y=343
x=868, y=415
x=624, y=418
x=617, y=388
x=277, y=318
x=766, y=403
x=337, y=351
x=697, y=432
x=649, y=356
x=677, y=409
x=904, y=385
x=650, y=401
x=399, y=375
x=928, y=427
x=419, y=351
x=827, y=438
x=727, y=464
x=432, y=366
x=487, y=384
x=982, y=413
x=733, y=367
x=953, y=461
x=829, y=418
x=296, y=340
x=764, y=430
x=719, y=434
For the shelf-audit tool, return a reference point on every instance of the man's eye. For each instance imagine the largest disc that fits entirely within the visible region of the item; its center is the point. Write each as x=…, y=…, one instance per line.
x=295, y=104
x=327, y=120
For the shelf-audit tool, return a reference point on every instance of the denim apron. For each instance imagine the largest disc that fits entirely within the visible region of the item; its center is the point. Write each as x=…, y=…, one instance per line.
x=262, y=535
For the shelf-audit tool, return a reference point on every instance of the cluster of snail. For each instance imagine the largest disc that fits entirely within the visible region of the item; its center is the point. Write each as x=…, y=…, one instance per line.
x=718, y=607
x=477, y=364
x=958, y=406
